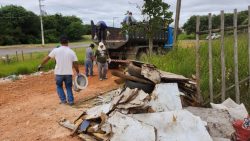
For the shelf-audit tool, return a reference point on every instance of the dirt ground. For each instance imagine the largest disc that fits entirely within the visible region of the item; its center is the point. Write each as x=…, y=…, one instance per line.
x=30, y=109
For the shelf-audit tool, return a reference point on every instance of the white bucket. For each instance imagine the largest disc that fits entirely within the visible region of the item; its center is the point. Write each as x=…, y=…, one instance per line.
x=80, y=82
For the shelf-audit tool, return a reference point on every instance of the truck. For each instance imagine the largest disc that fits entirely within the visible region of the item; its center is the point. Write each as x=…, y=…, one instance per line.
x=134, y=46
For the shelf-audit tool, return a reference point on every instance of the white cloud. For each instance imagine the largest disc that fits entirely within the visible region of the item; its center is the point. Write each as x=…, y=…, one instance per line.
x=107, y=9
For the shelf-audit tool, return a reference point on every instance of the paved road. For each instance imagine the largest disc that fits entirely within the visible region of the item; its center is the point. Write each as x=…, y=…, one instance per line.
x=12, y=51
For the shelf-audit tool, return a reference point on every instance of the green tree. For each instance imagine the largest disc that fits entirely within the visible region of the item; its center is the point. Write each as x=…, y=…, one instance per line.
x=190, y=25
x=157, y=15
x=18, y=26
x=75, y=31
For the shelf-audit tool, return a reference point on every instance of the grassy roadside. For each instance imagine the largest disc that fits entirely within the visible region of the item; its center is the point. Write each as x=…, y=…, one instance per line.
x=30, y=65
x=85, y=39
x=182, y=61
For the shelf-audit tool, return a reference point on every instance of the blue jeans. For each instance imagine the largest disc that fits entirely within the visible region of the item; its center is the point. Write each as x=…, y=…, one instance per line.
x=89, y=67
x=67, y=79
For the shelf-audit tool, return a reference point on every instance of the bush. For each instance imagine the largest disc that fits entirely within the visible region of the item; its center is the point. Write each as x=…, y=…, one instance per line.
x=23, y=70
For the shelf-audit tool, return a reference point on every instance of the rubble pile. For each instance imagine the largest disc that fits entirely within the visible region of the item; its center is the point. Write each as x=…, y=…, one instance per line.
x=139, y=113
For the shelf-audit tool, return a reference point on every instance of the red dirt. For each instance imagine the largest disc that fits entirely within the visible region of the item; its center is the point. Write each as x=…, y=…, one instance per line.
x=30, y=109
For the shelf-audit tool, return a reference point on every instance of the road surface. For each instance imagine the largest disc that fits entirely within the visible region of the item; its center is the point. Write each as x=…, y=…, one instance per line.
x=12, y=51
x=30, y=109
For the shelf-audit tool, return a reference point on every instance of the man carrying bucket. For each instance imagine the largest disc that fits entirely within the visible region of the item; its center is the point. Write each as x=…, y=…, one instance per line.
x=65, y=59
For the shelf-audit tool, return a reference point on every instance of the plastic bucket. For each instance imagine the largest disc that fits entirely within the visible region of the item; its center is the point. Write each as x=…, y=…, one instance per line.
x=80, y=82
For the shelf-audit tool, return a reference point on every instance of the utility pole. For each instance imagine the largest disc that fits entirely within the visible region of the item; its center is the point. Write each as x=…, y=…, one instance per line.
x=177, y=18
x=114, y=21
x=41, y=20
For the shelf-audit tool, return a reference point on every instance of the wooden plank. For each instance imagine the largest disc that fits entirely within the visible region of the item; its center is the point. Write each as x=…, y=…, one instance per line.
x=229, y=88
x=210, y=60
x=129, y=77
x=22, y=55
x=16, y=56
x=236, y=75
x=225, y=29
x=223, y=66
x=177, y=18
x=7, y=59
x=249, y=47
x=199, y=97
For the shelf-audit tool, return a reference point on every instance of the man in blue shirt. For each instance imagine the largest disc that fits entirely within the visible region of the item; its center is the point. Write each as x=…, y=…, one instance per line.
x=101, y=28
x=89, y=60
x=129, y=19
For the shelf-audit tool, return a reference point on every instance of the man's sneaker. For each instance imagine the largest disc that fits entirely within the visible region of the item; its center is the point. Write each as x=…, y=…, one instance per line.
x=105, y=78
x=63, y=102
x=100, y=79
x=71, y=104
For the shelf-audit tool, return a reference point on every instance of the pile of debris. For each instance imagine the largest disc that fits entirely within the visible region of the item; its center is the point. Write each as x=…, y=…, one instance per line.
x=141, y=113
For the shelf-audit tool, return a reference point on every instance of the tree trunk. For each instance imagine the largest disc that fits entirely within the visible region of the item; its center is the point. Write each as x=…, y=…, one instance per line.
x=150, y=46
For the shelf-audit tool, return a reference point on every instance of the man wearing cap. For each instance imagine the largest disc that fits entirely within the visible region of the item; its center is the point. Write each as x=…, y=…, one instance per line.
x=102, y=57
x=65, y=60
x=89, y=60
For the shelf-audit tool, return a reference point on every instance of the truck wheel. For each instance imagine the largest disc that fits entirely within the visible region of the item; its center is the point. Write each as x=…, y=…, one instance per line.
x=148, y=88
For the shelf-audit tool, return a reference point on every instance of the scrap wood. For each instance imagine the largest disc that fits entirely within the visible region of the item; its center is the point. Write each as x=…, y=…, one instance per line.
x=151, y=73
x=67, y=124
x=79, y=117
x=96, y=112
x=171, y=76
x=86, y=137
x=139, y=101
x=97, y=94
x=129, y=77
x=128, y=94
x=119, y=81
x=102, y=137
x=77, y=125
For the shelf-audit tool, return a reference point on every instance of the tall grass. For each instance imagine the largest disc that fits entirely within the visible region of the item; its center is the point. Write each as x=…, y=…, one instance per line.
x=182, y=61
x=30, y=65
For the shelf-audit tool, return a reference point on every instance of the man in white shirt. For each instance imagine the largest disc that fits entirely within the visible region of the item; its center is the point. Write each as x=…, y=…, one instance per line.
x=65, y=60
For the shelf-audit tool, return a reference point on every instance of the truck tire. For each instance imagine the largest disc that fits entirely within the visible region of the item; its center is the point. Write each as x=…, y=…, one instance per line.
x=148, y=88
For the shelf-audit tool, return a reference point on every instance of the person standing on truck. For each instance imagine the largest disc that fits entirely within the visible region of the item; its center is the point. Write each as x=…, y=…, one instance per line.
x=89, y=60
x=102, y=58
x=101, y=31
x=65, y=60
x=129, y=19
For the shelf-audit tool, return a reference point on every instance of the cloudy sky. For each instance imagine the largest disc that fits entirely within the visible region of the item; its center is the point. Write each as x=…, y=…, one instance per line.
x=107, y=10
